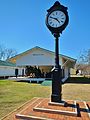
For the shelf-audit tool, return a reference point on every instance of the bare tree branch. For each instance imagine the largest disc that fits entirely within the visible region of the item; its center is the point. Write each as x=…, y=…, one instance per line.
x=2, y=52
x=6, y=53
x=10, y=53
x=83, y=63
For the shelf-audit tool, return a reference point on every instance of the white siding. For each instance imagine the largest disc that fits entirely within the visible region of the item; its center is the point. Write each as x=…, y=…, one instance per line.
x=37, y=58
x=9, y=71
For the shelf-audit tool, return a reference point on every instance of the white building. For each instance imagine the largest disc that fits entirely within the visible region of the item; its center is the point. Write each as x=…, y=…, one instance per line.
x=44, y=59
x=7, y=69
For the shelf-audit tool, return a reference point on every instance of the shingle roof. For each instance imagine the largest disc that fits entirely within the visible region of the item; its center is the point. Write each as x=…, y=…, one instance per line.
x=6, y=63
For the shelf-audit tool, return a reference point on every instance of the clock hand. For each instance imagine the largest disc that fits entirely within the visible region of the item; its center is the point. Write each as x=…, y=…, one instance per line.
x=55, y=19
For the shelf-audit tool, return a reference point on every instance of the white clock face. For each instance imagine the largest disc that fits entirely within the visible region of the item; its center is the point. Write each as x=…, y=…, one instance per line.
x=56, y=19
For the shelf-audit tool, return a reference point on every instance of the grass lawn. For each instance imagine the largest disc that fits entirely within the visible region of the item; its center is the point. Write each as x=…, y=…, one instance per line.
x=13, y=94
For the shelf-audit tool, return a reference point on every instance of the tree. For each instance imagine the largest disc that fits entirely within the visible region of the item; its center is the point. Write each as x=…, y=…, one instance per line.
x=2, y=52
x=10, y=53
x=88, y=56
x=83, y=63
x=6, y=53
x=84, y=57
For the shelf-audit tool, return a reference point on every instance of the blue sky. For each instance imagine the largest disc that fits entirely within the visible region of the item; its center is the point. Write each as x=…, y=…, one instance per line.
x=22, y=26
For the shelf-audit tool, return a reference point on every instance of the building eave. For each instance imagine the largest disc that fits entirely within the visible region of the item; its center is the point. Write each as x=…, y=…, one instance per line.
x=30, y=50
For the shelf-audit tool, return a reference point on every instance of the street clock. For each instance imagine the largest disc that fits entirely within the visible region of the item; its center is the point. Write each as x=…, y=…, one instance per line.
x=57, y=18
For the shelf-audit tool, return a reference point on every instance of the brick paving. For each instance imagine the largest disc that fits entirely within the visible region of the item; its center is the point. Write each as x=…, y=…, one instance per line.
x=40, y=109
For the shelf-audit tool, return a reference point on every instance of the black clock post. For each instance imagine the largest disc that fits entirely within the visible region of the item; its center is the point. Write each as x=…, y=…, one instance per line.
x=56, y=74
x=56, y=21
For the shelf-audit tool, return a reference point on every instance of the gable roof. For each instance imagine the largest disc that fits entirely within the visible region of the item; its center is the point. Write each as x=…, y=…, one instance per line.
x=13, y=59
x=6, y=63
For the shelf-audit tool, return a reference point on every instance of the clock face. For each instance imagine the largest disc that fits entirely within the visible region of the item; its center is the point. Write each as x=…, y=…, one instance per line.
x=56, y=19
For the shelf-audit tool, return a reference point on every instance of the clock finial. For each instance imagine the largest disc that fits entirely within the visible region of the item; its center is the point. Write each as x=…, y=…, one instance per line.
x=57, y=3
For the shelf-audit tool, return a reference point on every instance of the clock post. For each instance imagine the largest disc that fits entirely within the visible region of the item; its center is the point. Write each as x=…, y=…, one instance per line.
x=56, y=21
x=56, y=74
